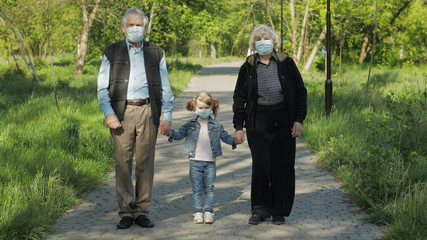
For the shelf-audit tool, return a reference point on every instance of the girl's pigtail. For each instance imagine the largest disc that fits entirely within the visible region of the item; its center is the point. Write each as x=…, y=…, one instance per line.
x=215, y=106
x=191, y=105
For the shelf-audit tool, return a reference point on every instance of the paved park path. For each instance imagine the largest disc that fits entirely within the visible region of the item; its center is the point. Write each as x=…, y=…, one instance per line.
x=321, y=210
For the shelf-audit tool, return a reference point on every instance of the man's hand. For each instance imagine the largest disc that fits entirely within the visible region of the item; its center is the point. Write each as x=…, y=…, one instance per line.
x=297, y=130
x=165, y=127
x=239, y=137
x=112, y=121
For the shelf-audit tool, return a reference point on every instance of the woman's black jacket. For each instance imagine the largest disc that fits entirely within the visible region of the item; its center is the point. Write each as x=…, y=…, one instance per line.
x=246, y=92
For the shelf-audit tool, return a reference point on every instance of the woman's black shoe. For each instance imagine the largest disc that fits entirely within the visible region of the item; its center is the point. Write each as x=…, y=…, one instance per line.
x=278, y=220
x=255, y=219
x=125, y=222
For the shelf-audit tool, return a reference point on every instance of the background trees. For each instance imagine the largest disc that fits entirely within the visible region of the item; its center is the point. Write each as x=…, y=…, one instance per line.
x=218, y=28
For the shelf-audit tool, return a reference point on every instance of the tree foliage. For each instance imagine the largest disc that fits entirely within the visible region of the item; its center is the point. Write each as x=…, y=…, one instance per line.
x=198, y=27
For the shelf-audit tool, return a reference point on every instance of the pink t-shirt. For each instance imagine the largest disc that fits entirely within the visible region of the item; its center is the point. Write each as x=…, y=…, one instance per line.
x=203, y=148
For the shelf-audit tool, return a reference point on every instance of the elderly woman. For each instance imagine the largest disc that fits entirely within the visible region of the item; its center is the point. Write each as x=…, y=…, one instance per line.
x=270, y=101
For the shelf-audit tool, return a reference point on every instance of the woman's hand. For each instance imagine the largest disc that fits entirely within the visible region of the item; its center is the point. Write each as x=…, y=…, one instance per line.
x=297, y=130
x=239, y=137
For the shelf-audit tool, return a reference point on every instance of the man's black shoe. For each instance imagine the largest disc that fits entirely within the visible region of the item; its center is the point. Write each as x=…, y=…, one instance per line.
x=278, y=220
x=144, y=222
x=125, y=222
x=255, y=219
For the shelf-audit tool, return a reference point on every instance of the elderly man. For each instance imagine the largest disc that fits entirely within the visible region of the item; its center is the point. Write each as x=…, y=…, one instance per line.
x=133, y=90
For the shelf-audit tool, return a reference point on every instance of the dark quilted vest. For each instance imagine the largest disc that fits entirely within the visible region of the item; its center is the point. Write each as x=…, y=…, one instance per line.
x=118, y=55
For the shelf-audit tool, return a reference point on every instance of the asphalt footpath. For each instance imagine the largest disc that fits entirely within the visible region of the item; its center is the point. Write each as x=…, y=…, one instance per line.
x=321, y=209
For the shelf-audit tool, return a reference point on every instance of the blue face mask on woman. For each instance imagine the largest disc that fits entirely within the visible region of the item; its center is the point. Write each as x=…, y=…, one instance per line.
x=204, y=114
x=264, y=47
x=135, y=34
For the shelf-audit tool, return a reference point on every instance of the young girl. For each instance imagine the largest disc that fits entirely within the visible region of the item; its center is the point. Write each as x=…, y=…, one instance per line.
x=202, y=145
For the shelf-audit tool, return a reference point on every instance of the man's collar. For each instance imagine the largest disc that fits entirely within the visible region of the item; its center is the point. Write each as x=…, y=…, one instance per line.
x=131, y=46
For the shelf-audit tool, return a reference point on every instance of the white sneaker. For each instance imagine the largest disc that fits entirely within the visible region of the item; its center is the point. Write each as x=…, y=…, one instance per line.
x=198, y=217
x=209, y=219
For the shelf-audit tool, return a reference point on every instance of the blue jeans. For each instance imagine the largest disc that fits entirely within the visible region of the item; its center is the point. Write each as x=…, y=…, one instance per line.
x=202, y=175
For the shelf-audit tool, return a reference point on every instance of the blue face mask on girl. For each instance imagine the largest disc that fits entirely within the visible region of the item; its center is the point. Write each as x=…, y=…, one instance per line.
x=204, y=114
x=264, y=47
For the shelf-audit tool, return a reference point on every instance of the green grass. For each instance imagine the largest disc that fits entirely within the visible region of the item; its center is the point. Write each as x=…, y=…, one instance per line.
x=48, y=161
x=376, y=145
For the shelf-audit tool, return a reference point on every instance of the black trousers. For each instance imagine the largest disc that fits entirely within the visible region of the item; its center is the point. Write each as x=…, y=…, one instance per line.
x=273, y=160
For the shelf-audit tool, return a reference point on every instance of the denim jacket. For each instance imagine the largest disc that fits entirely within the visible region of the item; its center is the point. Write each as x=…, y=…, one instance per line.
x=191, y=130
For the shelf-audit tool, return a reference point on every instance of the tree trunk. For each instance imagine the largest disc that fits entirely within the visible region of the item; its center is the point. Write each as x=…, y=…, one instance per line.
x=213, y=50
x=341, y=45
x=150, y=22
x=373, y=48
x=336, y=46
x=339, y=70
x=294, y=29
x=44, y=51
x=269, y=16
x=14, y=58
x=26, y=56
x=303, y=30
x=314, y=51
x=220, y=40
x=307, y=43
x=365, y=47
x=87, y=24
x=244, y=26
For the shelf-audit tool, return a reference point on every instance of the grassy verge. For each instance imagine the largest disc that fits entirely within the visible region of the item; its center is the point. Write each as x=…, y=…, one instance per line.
x=46, y=161
x=377, y=145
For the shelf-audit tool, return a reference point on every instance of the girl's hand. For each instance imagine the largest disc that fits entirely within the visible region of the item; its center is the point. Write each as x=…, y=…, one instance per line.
x=239, y=137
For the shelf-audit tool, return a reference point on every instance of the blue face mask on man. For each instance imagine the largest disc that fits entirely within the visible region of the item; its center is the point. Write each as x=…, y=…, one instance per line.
x=264, y=47
x=135, y=34
x=204, y=114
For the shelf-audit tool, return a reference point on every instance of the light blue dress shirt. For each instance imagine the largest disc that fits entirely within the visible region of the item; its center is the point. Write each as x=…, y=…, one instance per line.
x=138, y=85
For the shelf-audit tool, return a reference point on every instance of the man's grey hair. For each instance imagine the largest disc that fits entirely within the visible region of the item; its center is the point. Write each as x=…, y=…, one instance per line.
x=260, y=31
x=134, y=11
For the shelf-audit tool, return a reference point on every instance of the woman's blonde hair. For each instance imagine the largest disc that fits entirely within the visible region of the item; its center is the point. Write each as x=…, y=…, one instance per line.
x=260, y=31
x=205, y=98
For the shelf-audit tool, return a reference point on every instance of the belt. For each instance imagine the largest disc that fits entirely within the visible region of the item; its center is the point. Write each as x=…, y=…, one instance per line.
x=138, y=102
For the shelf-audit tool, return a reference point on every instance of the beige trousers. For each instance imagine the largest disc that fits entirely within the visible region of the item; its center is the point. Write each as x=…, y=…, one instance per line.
x=137, y=136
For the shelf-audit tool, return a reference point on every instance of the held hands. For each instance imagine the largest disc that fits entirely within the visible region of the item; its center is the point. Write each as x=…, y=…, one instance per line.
x=239, y=137
x=112, y=121
x=297, y=130
x=165, y=128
